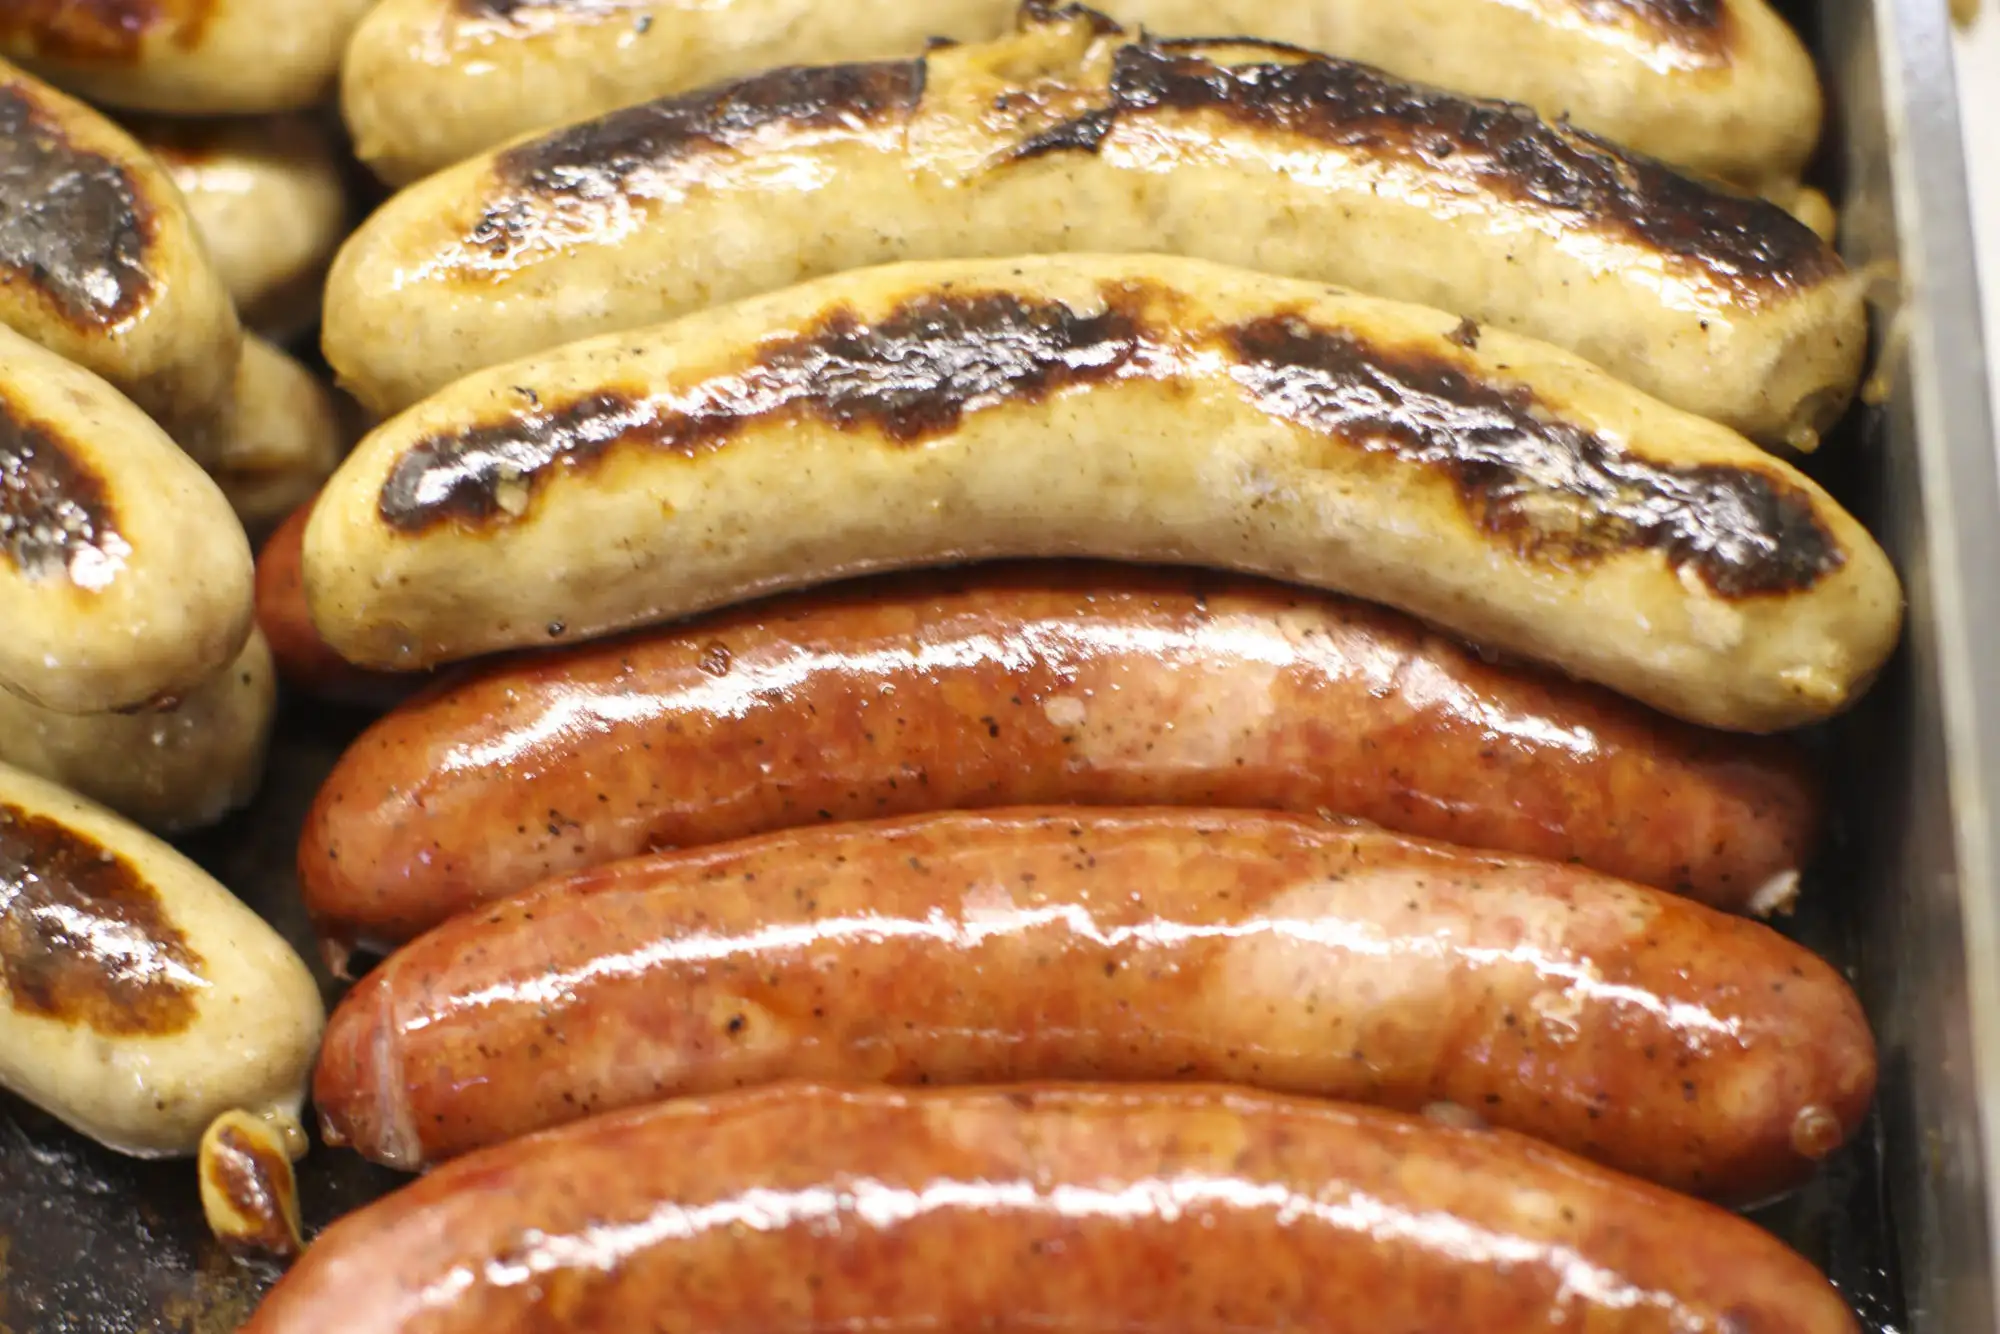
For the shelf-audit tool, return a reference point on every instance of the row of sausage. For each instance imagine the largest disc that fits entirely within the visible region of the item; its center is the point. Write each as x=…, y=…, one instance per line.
x=1069, y=293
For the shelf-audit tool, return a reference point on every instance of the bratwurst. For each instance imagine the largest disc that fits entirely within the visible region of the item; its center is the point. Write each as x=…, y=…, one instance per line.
x=171, y=768
x=188, y=57
x=124, y=576
x=1632, y=1027
x=101, y=263
x=1070, y=138
x=1721, y=88
x=1047, y=683
x=1094, y=1210
x=1138, y=407
x=268, y=198
x=139, y=999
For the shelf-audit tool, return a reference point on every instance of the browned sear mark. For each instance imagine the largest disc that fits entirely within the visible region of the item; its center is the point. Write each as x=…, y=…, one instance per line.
x=1549, y=489
x=86, y=31
x=73, y=224
x=84, y=937
x=1552, y=490
x=1745, y=244
x=56, y=519
x=601, y=158
x=911, y=375
x=1698, y=24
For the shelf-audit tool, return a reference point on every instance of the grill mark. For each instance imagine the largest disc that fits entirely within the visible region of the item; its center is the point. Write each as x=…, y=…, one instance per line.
x=911, y=376
x=101, y=31
x=600, y=159
x=84, y=938
x=73, y=223
x=1548, y=489
x=1692, y=22
x=56, y=516
x=1552, y=490
x=1744, y=244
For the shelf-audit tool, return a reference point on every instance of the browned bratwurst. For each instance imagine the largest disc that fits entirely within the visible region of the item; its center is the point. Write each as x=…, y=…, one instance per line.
x=1089, y=1210
x=1024, y=684
x=1702, y=1051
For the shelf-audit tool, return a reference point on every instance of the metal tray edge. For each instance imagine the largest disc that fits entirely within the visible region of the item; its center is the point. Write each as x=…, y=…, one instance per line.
x=1940, y=1160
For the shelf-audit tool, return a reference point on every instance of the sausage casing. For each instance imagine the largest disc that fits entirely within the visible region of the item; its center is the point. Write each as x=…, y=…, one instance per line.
x=1089, y=1209
x=124, y=577
x=139, y=999
x=1722, y=89
x=1068, y=139
x=288, y=435
x=1136, y=407
x=267, y=195
x=1649, y=1033
x=171, y=768
x=103, y=265
x=187, y=57
x=1020, y=685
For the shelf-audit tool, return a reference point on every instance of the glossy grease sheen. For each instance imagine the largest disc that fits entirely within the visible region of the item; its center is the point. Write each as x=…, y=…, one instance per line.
x=1039, y=683
x=1626, y=1025
x=1098, y=1209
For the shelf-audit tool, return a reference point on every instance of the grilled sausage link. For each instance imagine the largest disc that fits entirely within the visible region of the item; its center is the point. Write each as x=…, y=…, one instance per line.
x=124, y=578
x=187, y=57
x=1089, y=1209
x=172, y=768
x=1646, y=1032
x=288, y=436
x=101, y=263
x=1720, y=87
x=1045, y=683
x=1067, y=138
x=139, y=999
x=1137, y=407
x=268, y=198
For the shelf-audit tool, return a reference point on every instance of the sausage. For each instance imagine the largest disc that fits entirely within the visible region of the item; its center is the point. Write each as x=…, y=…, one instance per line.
x=1137, y=407
x=304, y=662
x=123, y=575
x=101, y=263
x=1632, y=1027
x=1720, y=87
x=288, y=436
x=1066, y=138
x=187, y=57
x=268, y=198
x=1047, y=683
x=1091, y=1209
x=139, y=999
x=173, y=768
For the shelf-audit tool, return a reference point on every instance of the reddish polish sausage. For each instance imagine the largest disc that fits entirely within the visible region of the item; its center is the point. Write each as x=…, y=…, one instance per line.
x=1096, y=1210
x=1021, y=685
x=1645, y=1031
